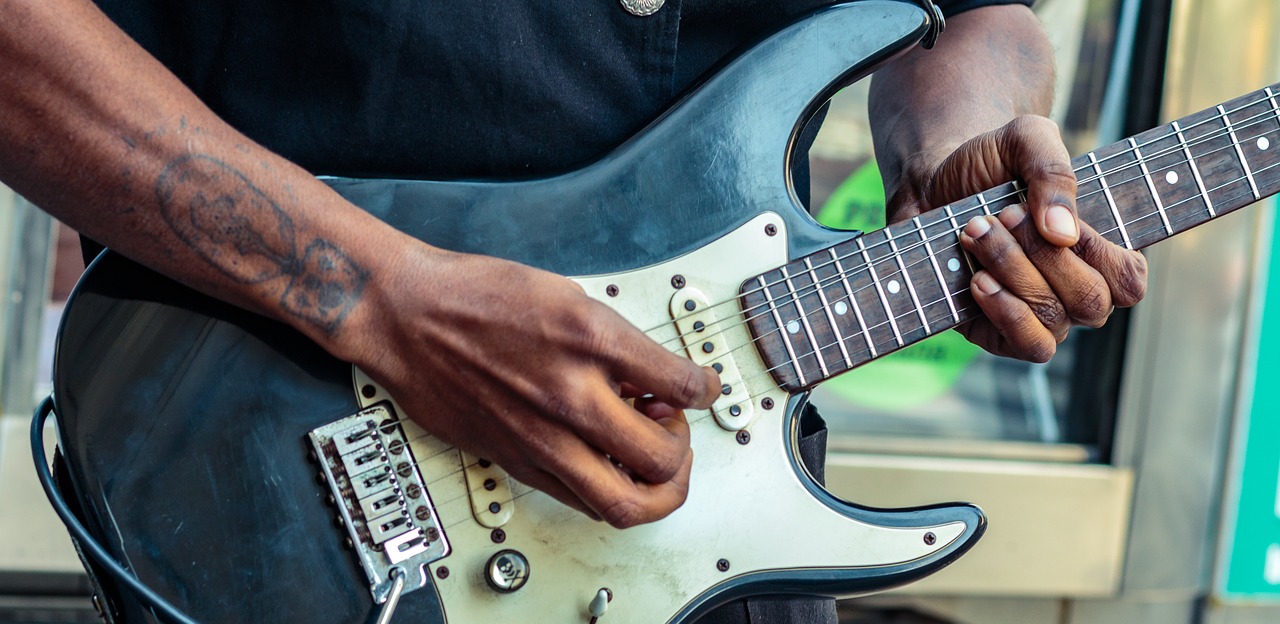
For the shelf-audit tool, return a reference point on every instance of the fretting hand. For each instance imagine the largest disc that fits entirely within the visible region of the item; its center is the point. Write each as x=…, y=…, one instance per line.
x=1042, y=274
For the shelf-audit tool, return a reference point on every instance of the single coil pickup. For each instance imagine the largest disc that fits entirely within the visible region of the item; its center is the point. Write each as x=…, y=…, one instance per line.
x=706, y=340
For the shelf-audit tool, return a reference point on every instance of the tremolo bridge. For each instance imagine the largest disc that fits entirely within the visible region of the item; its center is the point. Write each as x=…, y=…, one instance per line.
x=380, y=497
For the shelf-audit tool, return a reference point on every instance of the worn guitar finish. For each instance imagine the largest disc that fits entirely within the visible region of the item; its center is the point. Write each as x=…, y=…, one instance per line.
x=184, y=420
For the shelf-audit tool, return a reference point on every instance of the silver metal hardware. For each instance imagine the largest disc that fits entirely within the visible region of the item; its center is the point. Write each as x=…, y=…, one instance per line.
x=506, y=571
x=641, y=8
x=392, y=542
x=392, y=599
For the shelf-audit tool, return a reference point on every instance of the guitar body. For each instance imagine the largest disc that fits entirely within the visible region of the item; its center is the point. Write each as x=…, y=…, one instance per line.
x=184, y=421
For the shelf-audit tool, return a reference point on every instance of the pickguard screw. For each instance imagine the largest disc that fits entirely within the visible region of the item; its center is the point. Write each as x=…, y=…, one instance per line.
x=498, y=536
x=726, y=389
x=718, y=367
x=722, y=565
x=770, y=229
x=404, y=470
x=396, y=447
x=611, y=290
x=490, y=484
x=494, y=507
x=743, y=436
x=433, y=534
x=422, y=513
x=368, y=391
x=413, y=491
x=348, y=544
x=483, y=463
x=767, y=403
x=677, y=281
x=442, y=573
x=930, y=539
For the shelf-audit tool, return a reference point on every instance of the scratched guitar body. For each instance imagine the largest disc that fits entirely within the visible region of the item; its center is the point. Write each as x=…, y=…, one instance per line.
x=184, y=421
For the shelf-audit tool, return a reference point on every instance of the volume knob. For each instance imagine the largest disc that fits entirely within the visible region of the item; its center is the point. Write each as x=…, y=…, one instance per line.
x=506, y=571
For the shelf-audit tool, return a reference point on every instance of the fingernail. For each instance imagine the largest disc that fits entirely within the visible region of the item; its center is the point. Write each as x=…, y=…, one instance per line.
x=987, y=284
x=1012, y=215
x=1061, y=221
x=977, y=226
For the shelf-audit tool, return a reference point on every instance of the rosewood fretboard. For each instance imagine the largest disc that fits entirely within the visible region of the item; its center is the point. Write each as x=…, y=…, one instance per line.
x=834, y=310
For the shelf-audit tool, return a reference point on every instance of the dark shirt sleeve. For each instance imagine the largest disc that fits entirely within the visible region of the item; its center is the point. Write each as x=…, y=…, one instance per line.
x=956, y=7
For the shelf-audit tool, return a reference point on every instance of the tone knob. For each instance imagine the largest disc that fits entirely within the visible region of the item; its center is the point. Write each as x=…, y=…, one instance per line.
x=507, y=571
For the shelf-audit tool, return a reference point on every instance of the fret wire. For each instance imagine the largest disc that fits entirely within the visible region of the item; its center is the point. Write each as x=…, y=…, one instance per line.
x=1162, y=153
x=884, y=301
x=1184, y=147
x=866, y=332
x=1019, y=191
x=937, y=270
x=982, y=201
x=1151, y=186
x=1195, y=171
x=786, y=340
x=1239, y=152
x=857, y=309
x=955, y=226
x=906, y=277
x=826, y=307
x=1274, y=105
x=1106, y=190
x=804, y=319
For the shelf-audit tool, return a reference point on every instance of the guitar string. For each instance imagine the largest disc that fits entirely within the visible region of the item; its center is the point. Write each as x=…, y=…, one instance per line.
x=891, y=343
x=1215, y=134
x=929, y=304
x=469, y=492
x=867, y=332
x=915, y=243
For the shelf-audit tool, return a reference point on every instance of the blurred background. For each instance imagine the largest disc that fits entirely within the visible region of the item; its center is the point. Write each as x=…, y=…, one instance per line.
x=1134, y=479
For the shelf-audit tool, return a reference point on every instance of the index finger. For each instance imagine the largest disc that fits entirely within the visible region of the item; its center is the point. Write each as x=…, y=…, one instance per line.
x=643, y=364
x=1035, y=153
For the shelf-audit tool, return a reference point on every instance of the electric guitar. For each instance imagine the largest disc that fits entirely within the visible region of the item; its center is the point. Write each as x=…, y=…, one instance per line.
x=247, y=476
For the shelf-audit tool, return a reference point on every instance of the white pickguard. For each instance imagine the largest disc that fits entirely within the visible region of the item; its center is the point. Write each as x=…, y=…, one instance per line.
x=746, y=504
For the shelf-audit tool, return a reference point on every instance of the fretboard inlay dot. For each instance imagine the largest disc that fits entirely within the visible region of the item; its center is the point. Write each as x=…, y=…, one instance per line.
x=841, y=308
x=1171, y=177
x=953, y=265
x=1264, y=144
x=894, y=287
x=793, y=327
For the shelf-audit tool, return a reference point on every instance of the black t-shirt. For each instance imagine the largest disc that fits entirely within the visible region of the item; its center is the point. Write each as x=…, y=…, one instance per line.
x=470, y=88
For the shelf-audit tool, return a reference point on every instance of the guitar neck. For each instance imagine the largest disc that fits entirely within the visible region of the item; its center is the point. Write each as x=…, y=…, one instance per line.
x=834, y=310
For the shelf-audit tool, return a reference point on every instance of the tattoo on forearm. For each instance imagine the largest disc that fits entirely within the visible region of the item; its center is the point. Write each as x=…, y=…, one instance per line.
x=245, y=235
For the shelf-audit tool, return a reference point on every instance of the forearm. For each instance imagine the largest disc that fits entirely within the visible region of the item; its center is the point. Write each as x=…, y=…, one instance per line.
x=102, y=136
x=990, y=66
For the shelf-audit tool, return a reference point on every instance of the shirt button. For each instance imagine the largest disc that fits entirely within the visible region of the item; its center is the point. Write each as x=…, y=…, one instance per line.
x=641, y=8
